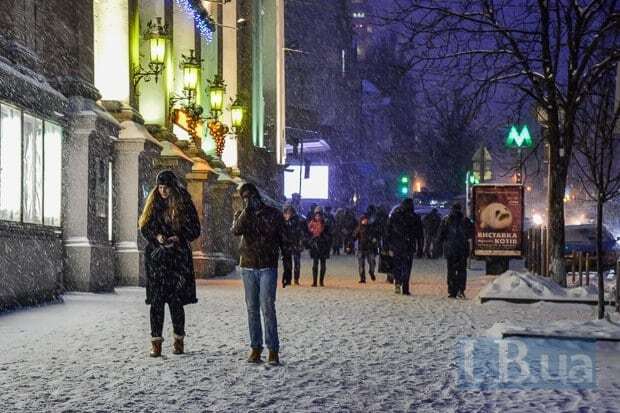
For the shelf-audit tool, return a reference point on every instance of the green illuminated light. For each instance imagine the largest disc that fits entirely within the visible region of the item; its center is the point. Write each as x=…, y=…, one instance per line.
x=404, y=179
x=404, y=190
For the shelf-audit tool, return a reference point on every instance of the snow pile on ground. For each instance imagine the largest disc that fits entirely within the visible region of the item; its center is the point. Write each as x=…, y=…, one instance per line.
x=576, y=329
x=513, y=285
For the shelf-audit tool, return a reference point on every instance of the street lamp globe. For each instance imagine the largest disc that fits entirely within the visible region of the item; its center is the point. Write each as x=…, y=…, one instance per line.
x=236, y=112
x=217, y=89
x=157, y=35
x=191, y=69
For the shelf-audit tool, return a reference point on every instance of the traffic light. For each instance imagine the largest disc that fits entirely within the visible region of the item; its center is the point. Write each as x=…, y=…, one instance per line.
x=403, y=185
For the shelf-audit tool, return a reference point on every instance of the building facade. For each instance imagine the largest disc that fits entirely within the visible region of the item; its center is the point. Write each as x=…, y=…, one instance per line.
x=323, y=94
x=97, y=97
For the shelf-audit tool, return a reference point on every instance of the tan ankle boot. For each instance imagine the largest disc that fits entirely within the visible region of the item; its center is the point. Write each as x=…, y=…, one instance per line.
x=156, y=346
x=177, y=346
x=273, y=358
x=255, y=355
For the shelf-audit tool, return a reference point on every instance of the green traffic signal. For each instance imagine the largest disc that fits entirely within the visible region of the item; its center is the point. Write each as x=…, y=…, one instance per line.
x=403, y=185
x=471, y=178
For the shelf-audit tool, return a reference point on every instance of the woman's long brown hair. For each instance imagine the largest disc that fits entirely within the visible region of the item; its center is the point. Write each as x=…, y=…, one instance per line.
x=173, y=212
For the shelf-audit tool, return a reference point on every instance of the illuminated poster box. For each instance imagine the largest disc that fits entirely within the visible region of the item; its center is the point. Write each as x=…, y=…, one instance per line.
x=498, y=220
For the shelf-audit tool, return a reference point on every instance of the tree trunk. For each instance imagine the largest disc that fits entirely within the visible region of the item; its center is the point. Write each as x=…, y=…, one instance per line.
x=558, y=167
x=599, y=258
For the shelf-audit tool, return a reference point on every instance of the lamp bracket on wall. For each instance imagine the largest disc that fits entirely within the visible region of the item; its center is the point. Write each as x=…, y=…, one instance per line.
x=156, y=34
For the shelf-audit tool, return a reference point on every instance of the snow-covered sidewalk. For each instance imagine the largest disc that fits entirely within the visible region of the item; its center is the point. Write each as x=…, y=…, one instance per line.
x=345, y=347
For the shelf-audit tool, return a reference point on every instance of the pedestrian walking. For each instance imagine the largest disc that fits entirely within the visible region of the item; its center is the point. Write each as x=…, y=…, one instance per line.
x=262, y=229
x=367, y=243
x=294, y=235
x=337, y=232
x=455, y=232
x=349, y=225
x=169, y=223
x=385, y=262
x=403, y=228
x=431, y=223
x=319, y=244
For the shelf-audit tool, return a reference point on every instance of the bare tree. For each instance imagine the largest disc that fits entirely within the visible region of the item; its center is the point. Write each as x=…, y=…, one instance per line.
x=597, y=148
x=552, y=52
x=450, y=115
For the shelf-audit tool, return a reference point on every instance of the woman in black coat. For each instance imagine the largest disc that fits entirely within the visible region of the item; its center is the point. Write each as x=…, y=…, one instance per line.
x=319, y=244
x=169, y=223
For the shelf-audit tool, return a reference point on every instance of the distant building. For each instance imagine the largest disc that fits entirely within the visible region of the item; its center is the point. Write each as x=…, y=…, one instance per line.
x=323, y=91
x=362, y=27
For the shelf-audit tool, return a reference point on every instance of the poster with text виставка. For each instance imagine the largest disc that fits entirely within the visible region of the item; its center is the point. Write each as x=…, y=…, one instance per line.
x=498, y=218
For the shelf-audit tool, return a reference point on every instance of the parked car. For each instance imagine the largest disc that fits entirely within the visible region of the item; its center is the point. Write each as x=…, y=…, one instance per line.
x=582, y=238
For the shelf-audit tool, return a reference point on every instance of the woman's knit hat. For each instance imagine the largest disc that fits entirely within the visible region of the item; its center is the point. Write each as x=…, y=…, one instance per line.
x=167, y=178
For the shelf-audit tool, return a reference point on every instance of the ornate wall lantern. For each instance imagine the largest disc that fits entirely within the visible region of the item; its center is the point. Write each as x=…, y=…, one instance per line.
x=217, y=90
x=157, y=36
x=236, y=114
x=191, y=70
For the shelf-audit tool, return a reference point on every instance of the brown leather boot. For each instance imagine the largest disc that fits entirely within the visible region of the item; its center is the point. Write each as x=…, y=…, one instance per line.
x=273, y=358
x=177, y=346
x=255, y=355
x=156, y=346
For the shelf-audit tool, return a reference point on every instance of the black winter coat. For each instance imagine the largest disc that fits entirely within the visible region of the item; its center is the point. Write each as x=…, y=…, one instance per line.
x=454, y=233
x=431, y=223
x=367, y=238
x=170, y=275
x=404, y=227
x=294, y=236
x=262, y=236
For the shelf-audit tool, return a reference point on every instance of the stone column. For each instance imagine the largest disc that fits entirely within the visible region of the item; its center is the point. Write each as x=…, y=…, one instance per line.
x=87, y=153
x=212, y=193
x=135, y=152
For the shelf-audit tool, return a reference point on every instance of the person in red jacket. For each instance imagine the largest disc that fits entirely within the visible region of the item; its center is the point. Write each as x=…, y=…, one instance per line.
x=320, y=245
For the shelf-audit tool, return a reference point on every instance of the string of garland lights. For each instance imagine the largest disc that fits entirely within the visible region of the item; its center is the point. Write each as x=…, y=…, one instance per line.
x=203, y=21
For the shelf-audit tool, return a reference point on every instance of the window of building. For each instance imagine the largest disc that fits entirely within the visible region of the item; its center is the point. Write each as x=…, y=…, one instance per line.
x=52, y=173
x=30, y=168
x=10, y=165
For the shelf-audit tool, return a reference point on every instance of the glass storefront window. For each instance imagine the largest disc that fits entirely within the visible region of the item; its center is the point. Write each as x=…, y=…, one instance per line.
x=10, y=163
x=30, y=168
x=52, y=173
x=33, y=170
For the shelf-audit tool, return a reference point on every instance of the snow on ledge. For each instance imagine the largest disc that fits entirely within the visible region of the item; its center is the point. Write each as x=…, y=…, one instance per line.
x=604, y=330
x=527, y=287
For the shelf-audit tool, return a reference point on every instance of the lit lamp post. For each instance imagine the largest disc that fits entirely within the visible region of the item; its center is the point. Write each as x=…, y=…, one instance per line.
x=236, y=114
x=190, y=114
x=157, y=36
x=191, y=69
x=218, y=129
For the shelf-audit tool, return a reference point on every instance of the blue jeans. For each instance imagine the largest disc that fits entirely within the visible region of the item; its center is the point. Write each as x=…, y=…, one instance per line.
x=260, y=296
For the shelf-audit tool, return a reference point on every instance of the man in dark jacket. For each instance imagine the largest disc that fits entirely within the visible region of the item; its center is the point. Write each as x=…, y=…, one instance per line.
x=294, y=226
x=261, y=228
x=431, y=223
x=367, y=243
x=455, y=232
x=404, y=227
